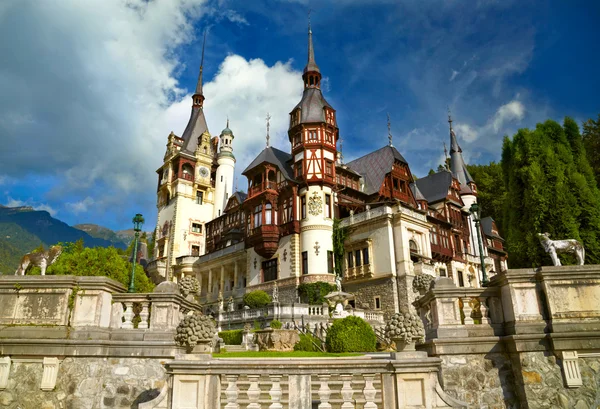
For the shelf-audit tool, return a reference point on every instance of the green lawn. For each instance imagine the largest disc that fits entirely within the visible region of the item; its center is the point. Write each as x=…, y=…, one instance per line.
x=277, y=354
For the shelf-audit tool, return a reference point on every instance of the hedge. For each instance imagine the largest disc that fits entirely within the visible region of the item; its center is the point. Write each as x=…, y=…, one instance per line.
x=351, y=334
x=233, y=337
x=307, y=343
x=314, y=293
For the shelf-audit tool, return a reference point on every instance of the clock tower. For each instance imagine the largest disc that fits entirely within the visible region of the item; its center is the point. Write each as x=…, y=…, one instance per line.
x=225, y=169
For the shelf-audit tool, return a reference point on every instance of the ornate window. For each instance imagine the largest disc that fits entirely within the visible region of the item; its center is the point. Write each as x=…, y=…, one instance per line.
x=328, y=206
x=268, y=213
x=303, y=207
x=258, y=216
x=269, y=270
x=328, y=167
x=196, y=228
x=330, y=262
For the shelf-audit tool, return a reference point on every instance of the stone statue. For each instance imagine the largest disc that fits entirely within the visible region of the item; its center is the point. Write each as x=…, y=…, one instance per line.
x=275, y=296
x=553, y=247
x=338, y=283
x=42, y=259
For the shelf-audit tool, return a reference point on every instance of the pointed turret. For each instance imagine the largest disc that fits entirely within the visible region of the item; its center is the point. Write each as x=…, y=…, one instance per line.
x=197, y=124
x=457, y=164
x=311, y=65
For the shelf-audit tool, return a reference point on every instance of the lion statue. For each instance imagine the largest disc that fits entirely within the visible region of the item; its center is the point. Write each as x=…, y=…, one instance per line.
x=553, y=247
x=42, y=259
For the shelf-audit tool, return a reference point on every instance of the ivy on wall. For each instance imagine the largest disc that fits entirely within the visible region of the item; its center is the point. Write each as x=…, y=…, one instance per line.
x=339, y=236
x=314, y=293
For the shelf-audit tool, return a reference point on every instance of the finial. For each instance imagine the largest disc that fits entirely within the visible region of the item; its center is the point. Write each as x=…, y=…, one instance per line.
x=227, y=121
x=389, y=129
x=309, y=29
x=268, y=126
x=236, y=184
x=199, y=84
x=450, y=117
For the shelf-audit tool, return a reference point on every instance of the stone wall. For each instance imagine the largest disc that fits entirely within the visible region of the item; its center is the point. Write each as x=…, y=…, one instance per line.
x=85, y=383
x=366, y=292
x=540, y=381
x=483, y=381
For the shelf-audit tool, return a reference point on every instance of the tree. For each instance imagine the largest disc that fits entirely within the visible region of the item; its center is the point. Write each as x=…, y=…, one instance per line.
x=547, y=190
x=491, y=190
x=591, y=142
x=78, y=260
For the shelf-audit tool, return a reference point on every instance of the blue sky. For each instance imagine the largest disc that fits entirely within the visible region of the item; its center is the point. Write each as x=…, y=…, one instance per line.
x=90, y=92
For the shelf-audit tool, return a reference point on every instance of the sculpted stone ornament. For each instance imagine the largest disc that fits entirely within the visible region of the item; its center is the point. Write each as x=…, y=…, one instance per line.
x=42, y=260
x=315, y=204
x=554, y=247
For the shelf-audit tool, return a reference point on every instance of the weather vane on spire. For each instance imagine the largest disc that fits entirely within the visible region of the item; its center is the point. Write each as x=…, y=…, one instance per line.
x=450, y=117
x=268, y=126
x=389, y=124
x=309, y=11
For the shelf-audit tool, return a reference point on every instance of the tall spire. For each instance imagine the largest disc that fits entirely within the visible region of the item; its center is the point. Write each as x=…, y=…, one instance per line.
x=311, y=65
x=457, y=163
x=389, y=129
x=199, y=84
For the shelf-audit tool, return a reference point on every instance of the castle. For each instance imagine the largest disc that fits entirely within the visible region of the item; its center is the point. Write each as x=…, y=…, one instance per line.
x=279, y=232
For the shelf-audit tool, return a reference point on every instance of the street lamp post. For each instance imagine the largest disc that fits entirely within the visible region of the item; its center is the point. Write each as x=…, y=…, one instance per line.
x=476, y=212
x=138, y=221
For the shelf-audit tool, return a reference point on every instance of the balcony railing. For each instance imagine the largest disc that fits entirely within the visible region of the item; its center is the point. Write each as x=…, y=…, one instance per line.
x=268, y=185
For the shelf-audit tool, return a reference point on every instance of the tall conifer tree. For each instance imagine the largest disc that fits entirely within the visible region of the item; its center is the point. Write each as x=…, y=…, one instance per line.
x=549, y=190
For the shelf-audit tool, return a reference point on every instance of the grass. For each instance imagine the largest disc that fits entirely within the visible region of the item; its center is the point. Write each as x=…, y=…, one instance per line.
x=278, y=354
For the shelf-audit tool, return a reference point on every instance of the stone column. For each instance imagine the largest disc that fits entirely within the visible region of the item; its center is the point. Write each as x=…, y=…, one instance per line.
x=235, y=274
x=210, y=287
x=222, y=282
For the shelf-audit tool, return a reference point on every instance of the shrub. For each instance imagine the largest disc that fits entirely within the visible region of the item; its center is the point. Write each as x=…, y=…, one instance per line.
x=307, y=343
x=350, y=334
x=233, y=337
x=257, y=299
x=314, y=293
x=276, y=324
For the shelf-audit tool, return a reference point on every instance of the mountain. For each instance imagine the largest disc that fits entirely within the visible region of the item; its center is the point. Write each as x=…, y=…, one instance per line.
x=22, y=229
x=119, y=237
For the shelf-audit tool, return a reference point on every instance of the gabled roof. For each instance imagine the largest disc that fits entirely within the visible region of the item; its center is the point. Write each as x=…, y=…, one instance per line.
x=435, y=187
x=417, y=192
x=486, y=224
x=374, y=166
x=235, y=200
x=276, y=157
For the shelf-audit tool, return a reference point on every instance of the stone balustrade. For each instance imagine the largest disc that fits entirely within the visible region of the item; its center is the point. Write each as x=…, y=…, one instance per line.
x=290, y=315
x=322, y=383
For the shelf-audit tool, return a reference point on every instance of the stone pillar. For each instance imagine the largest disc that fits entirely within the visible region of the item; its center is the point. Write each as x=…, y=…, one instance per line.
x=210, y=287
x=235, y=275
x=222, y=282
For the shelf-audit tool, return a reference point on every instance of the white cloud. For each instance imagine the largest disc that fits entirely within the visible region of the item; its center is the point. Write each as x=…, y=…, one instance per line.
x=514, y=111
x=30, y=203
x=505, y=116
x=466, y=132
x=81, y=206
x=454, y=74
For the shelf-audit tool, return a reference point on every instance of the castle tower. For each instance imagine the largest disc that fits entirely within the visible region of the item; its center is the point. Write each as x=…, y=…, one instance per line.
x=468, y=188
x=313, y=133
x=225, y=171
x=185, y=194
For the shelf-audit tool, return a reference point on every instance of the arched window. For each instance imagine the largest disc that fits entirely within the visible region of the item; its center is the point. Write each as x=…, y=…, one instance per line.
x=414, y=251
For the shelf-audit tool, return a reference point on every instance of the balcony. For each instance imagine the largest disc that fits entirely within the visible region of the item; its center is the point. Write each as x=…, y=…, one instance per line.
x=258, y=189
x=289, y=228
x=264, y=239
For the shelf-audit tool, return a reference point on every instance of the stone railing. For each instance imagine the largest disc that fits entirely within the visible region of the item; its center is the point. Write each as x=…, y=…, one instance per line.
x=366, y=215
x=151, y=311
x=79, y=315
x=307, y=383
x=449, y=311
x=290, y=315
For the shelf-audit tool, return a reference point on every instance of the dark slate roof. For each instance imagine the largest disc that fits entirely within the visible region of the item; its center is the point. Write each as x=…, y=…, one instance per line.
x=312, y=104
x=195, y=127
x=457, y=164
x=311, y=65
x=486, y=225
x=435, y=187
x=240, y=196
x=374, y=166
x=417, y=192
x=276, y=157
